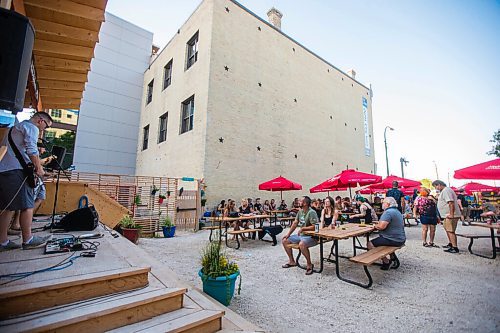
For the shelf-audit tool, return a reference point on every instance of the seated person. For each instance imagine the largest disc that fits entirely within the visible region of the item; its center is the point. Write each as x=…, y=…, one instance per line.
x=377, y=205
x=282, y=205
x=366, y=212
x=272, y=205
x=266, y=207
x=391, y=229
x=346, y=205
x=220, y=208
x=257, y=207
x=316, y=206
x=489, y=211
x=327, y=214
x=295, y=207
x=305, y=220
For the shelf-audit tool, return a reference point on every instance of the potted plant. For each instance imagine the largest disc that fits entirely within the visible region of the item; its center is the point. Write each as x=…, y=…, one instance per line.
x=161, y=197
x=218, y=274
x=137, y=200
x=168, y=227
x=130, y=229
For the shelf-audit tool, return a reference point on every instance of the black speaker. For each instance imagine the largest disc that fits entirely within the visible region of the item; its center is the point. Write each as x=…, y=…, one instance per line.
x=59, y=152
x=16, y=45
x=82, y=219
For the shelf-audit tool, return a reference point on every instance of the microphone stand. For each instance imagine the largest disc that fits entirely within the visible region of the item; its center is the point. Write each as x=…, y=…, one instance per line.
x=59, y=169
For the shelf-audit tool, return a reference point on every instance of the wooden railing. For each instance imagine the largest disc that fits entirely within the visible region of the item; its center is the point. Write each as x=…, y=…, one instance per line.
x=140, y=194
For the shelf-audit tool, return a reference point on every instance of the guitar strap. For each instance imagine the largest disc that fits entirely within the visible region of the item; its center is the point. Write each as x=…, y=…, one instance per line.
x=27, y=169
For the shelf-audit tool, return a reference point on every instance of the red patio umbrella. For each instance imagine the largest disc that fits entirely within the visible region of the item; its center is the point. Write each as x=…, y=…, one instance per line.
x=280, y=184
x=402, y=182
x=351, y=178
x=488, y=170
x=472, y=187
x=320, y=188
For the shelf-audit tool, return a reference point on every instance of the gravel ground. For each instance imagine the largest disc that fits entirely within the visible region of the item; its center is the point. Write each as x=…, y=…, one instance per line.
x=432, y=291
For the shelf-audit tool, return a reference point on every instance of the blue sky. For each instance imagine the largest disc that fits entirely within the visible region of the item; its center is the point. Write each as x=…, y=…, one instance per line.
x=434, y=67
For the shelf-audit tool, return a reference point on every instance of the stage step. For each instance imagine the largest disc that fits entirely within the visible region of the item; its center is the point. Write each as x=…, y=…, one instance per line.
x=21, y=299
x=101, y=316
x=182, y=320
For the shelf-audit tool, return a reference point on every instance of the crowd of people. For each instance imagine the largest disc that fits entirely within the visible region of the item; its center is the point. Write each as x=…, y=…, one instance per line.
x=387, y=215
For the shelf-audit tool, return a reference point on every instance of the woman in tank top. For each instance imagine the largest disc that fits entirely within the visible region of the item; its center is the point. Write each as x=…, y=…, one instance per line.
x=327, y=213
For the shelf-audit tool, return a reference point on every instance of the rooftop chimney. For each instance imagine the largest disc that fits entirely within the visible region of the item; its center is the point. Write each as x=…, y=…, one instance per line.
x=275, y=16
x=352, y=73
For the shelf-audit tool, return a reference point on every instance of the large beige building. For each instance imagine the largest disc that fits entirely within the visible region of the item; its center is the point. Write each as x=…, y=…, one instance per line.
x=234, y=100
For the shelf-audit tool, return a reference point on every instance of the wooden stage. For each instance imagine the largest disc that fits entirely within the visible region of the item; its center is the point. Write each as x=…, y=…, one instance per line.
x=122, y=289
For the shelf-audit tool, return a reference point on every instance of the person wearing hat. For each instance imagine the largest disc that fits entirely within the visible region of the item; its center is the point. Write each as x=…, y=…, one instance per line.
x=366, y=212
x=464, y=207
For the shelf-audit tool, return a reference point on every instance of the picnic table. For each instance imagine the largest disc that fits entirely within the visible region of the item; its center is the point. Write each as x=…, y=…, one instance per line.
x=343, y=232
x=492, y=228
x=274, y=214
x=237, y=233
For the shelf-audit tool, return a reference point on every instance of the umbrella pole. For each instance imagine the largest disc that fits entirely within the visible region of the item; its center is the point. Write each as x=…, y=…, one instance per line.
x=281, y=196
x=350, y=193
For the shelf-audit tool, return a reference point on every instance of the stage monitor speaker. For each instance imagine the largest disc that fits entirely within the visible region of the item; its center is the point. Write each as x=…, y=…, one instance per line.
x=16, y=45
x=59, y=152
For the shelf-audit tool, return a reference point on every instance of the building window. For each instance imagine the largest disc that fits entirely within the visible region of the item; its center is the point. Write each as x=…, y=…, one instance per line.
x=56, y=113
x=69, y=116
x=145, y=137
x=187, y=115
x=167, y=74
x=162, y=135
x=150, y=92
x=192, y=51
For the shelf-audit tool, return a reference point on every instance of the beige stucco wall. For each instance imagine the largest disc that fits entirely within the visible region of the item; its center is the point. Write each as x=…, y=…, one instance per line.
x=179, y=155
x=230, y=104
x=247, y=115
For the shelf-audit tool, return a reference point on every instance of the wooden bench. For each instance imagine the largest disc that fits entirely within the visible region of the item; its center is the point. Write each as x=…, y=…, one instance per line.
x=472, y=237
x=370, y=257
x=239, y=233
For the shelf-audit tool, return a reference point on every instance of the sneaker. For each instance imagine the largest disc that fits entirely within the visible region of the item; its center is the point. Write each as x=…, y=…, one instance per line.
x=452, y=250
x=10, y=246
x=447, y=246
x=36, y=242
x=464, y=224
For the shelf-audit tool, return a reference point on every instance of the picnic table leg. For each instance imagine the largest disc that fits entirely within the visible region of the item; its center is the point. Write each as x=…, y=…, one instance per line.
x=470, y=245
x=337, y=270
x=493, y=243
x=210, y=236
x=354, y=245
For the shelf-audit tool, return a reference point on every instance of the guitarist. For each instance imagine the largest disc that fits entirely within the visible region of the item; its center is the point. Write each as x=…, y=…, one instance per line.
x=16, y=187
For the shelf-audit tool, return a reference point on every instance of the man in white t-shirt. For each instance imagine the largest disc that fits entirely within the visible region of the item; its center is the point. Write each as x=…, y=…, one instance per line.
x=450, y=212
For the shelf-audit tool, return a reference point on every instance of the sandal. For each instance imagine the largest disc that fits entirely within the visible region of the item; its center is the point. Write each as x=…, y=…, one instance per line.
x=309, y=271
x=287, y=265
x=426, y=244
x=432, y=245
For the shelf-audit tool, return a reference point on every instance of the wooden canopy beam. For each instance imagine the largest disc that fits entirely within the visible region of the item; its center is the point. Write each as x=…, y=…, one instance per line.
x=64, y=65
x=73, y=94
x=61, y=85
x=68, y=7
x=74, y=20
x=61, y=50
x=60, y=100
x=62, y=33
x=61, y=105
x=61, y=76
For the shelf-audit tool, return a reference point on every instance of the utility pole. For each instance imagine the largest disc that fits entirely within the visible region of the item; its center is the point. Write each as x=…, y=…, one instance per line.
x=385, y=142
x=436, y=168
x=405, y=162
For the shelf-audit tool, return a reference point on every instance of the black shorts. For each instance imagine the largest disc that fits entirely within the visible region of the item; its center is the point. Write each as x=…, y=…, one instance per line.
x=12, y=182
x=381, y=241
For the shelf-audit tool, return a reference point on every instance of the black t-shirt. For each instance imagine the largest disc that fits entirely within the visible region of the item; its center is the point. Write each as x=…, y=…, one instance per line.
x=257, y=207
x=244, y=211
x=397, y=195
x=461, y=197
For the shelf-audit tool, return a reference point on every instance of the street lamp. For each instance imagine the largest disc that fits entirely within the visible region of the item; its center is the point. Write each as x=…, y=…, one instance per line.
x=385, y=142
x=436, y=169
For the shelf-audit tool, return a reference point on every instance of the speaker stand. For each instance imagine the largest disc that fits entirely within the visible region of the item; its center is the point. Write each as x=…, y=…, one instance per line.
x=52, y=223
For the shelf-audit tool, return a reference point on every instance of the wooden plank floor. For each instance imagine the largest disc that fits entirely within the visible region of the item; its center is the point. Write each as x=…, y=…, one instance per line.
x=113, y=253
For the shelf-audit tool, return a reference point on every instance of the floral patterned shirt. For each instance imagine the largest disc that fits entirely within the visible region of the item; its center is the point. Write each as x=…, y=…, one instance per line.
x=425, y=206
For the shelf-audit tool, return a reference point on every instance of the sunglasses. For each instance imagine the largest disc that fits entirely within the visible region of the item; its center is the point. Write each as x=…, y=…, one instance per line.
x=46, y=123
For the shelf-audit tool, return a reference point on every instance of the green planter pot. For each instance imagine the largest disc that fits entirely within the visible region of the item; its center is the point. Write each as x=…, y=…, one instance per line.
x=220, y=288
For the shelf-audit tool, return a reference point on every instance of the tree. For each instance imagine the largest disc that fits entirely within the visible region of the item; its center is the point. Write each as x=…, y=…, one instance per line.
x=496, y=144
x=67, y=140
